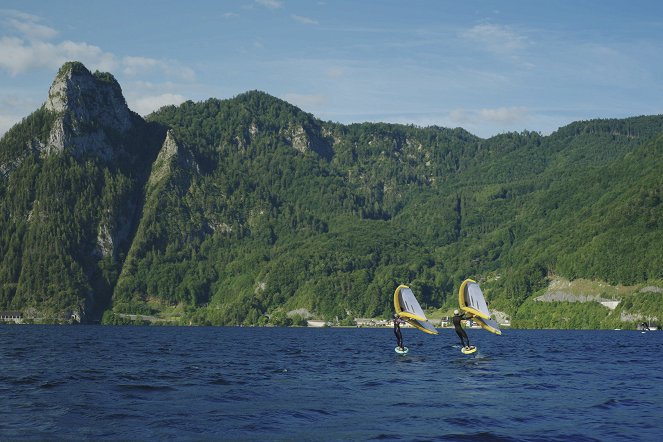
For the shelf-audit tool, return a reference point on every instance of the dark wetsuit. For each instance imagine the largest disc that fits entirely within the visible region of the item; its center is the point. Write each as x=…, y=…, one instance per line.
x=397, y=331
x=459, y=329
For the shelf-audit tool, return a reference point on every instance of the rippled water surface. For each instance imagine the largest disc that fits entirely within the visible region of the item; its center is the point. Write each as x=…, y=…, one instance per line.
x=192, y=383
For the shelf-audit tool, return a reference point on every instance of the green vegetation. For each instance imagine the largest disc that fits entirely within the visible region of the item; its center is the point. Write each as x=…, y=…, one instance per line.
x=257, y=209
x=566, y=315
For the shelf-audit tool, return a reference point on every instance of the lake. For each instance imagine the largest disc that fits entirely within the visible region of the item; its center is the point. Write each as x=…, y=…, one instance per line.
x=224, y=383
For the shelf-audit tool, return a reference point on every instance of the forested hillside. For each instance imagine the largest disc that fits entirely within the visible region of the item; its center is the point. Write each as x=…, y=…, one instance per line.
x=246, y=210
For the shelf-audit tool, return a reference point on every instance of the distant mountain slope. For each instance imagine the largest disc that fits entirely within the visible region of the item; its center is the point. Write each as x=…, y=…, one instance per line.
x=241, y=210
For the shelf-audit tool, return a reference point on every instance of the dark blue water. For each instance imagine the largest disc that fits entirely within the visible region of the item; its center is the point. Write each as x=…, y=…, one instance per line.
x=186, y=383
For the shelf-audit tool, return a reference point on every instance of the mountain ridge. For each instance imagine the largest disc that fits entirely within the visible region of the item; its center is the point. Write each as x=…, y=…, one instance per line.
x=237, y=211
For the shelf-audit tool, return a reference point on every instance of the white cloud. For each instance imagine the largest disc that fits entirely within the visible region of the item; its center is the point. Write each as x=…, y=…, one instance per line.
x=32, y=30
x=503, y=115
x=304, y=20
x=499, y=115
x=92, y=56
x=25, y=52
x=26, y=46
x=150, y=103
x=31, y=50
x=489, y=121
x=460, y=116
x=495, y=38
x=7, y=14
x=134, y=66
x=144, y=97
x=18, y=56
x=271, y=4
x=138, y=65
x=26, y=24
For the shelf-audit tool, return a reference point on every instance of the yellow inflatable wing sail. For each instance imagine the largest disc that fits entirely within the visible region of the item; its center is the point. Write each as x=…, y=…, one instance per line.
x=408, y=308
x=488, y=324
x=471, y=300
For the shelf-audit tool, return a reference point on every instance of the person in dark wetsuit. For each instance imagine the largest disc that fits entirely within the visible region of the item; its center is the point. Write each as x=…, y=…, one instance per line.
x=457, y=318
x=397, y=331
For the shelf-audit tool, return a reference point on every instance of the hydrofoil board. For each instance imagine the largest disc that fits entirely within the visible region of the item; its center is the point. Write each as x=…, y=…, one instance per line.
x=468, y=350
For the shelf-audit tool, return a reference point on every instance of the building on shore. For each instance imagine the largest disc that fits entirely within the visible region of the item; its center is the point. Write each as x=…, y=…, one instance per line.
x=11, y=316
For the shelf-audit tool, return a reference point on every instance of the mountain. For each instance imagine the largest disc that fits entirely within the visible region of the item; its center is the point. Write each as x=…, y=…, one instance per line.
x=72, y=176
x=251, y=211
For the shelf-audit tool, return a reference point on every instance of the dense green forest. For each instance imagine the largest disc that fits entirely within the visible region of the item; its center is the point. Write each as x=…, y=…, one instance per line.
x=252, y=211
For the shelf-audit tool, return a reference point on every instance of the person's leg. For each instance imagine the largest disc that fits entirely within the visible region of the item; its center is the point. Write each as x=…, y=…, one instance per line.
x=460, y=336
x=466, y=338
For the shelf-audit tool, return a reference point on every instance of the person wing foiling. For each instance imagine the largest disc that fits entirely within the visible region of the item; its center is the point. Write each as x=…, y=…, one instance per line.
x=397, y=331
x=458, y=317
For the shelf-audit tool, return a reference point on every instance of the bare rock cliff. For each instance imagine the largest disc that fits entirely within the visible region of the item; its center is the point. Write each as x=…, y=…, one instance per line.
x=91, y=110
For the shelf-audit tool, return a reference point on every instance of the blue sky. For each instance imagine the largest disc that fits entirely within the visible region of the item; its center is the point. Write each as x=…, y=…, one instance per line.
x=487, y=66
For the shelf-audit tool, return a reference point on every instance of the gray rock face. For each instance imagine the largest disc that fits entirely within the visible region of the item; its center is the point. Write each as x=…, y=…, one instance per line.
x=172, y=152
x=91, y=107
x=89, y=98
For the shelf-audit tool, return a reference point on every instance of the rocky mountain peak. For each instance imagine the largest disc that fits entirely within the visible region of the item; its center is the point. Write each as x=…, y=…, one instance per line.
x=172, y=154
x=89, y=97
x=88, y=106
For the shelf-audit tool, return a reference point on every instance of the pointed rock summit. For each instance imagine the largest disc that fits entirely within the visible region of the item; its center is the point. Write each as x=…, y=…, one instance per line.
x=172, y=154
x=89, y=97
x=89, y=105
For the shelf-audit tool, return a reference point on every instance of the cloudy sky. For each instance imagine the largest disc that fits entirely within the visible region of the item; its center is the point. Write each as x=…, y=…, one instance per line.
x=487, y=66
